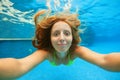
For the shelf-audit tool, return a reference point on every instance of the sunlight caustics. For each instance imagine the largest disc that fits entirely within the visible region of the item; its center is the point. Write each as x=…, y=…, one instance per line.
x=6, y=8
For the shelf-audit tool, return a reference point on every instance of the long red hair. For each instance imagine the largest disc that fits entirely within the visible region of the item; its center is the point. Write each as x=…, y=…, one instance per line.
x=43, y=30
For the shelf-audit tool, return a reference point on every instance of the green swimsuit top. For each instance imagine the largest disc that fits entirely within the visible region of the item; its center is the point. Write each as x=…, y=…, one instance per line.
x=69, y=63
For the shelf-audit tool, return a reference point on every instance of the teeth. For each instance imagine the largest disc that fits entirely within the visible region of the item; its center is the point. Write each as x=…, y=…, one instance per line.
x=61, y=43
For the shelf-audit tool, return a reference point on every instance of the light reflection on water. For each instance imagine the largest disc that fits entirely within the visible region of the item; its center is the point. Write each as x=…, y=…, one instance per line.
x=18, y=15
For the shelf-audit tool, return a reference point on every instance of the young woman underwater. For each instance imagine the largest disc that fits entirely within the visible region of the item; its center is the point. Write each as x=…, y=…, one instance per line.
x=56, y=38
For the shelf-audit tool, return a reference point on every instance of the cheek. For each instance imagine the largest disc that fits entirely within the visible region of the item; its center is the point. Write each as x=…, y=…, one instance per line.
x=53, y=41
x=71, y=39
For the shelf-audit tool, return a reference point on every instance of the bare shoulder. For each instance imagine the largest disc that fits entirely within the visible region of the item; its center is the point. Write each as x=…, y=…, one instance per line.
x=78, y=51
x=81, y=50
x=41, y=53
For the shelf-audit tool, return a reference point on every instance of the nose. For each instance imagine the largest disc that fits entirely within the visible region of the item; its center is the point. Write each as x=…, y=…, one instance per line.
x=61, y=38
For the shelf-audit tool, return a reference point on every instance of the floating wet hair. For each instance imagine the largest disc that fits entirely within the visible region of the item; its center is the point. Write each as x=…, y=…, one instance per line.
x=44, y=21
x=72, y=19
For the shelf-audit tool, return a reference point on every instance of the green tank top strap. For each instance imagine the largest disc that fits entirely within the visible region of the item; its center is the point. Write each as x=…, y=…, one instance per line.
x=70, y=61
x=54, y=58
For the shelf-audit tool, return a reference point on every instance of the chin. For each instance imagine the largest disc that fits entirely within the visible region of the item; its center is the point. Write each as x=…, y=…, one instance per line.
x=62, y=51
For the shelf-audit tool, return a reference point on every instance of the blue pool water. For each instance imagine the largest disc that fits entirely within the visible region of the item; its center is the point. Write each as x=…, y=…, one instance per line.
x=101, y=17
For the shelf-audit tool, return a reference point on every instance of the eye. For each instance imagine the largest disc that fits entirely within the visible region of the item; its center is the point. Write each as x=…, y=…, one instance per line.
x=56, y=33
x=67, y=33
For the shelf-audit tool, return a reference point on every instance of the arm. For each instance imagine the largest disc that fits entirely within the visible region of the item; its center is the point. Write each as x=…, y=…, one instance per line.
x=13, y=68
x=109, y=62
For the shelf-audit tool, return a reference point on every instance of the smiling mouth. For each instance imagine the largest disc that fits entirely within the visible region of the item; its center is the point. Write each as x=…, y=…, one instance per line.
x=61, y=44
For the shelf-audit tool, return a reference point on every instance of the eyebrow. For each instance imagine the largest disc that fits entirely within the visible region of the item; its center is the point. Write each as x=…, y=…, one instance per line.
x=63, y=30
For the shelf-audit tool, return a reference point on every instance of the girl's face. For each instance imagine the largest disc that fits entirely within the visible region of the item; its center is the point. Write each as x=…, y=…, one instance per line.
x=61, y=36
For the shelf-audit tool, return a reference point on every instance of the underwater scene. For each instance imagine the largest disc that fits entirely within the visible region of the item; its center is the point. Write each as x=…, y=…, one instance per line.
x=100, y=31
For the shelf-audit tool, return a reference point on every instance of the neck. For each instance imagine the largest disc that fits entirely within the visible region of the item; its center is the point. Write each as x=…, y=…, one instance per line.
x=61, y=54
